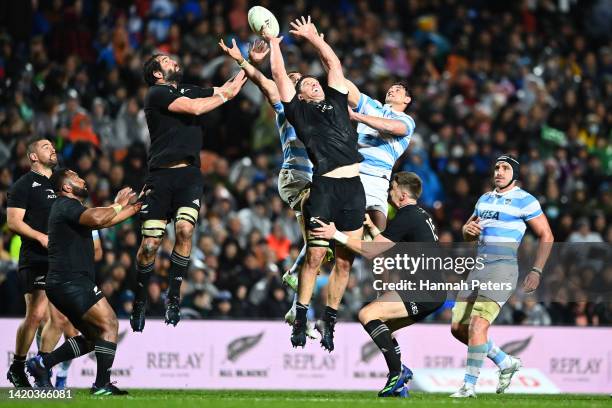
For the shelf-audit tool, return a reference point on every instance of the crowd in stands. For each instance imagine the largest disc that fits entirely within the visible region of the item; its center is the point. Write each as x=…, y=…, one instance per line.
x=532, y=78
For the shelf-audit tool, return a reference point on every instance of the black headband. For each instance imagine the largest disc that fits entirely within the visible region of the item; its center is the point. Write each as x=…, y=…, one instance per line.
x=513, y=163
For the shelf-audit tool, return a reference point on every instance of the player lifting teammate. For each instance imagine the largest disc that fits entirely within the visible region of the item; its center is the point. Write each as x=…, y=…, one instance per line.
x=394, y=310
x=321, y=120
x=172, y=111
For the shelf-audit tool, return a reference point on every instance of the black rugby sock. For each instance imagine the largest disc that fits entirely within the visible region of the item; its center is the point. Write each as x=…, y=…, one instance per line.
x=380, y=333
x=178, y=270
x=105, y=356
x=142, y=277
x=72, y=348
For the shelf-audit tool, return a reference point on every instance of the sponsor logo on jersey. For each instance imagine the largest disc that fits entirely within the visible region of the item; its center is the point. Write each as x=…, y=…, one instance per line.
x=35, y=184
x=490, y=215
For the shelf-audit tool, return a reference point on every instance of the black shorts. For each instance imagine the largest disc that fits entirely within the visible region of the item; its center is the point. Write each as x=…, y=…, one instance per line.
x=418, y=311
x=341, y=200
x=172, y=189
x=74, y=298
x=32, y=277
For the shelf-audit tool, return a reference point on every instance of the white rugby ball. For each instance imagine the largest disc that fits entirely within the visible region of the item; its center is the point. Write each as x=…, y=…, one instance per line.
x=260, y=18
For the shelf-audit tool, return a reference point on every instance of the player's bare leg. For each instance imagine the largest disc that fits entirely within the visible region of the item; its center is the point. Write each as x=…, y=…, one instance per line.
x=379, y=319
x=152, y=234
x=57, y=325
x=338, y=279
x=307, y=277
x=378, y=218
x=470, y=326
x=179, y=263
x=36, y=313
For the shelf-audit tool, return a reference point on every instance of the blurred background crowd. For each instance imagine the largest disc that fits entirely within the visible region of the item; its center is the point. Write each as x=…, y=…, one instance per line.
x=532, y=78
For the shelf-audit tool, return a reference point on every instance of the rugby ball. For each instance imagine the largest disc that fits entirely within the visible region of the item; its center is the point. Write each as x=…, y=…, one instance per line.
x=260, y=18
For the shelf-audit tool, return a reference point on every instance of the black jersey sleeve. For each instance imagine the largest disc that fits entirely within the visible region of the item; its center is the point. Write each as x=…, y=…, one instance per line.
x=198, y=92
x=19, y=194
x=71, y=211
x=161, y=96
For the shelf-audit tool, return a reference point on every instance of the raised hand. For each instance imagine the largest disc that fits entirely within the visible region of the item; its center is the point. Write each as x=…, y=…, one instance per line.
x=258, y=51
x=231, y=88
x=233, y=52
x=124, y=196
x=303, y=28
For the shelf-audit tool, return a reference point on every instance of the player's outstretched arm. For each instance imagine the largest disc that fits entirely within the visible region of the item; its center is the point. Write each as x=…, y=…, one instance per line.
x=199, y=106
x=15, y=222
x=354, y=94
x=303, y=28
x=257, y=53
x=277, y=64
x=541, y=229
x=104, y=217
x=393, y=127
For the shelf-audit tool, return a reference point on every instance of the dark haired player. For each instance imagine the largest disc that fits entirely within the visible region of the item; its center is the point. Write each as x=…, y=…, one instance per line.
x=172, y=110
x=498, y=224
x=29, y=202
x=384, y=135
x=393, y=310
x=321, y=120
x=70, y=283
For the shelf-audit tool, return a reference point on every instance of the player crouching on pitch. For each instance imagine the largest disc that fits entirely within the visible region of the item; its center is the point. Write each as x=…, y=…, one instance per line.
x=498, y=224
x=393, y=310
x=70, y=281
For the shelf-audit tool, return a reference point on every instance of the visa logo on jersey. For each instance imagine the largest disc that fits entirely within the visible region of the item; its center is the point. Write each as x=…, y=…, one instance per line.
x=489, y=215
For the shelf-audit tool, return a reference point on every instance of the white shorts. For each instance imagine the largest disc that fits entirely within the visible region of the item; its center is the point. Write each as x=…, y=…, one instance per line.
x=291, y=184
x=376, y=192
x=499, y=280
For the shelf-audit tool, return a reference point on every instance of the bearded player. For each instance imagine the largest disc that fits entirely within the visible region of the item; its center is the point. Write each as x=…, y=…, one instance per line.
x=172, y=111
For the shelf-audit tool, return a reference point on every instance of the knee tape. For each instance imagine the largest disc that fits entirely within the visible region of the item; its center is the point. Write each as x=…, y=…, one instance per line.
x=153, y=228
x=187, y=214
x=486, y=308
x=462, y=312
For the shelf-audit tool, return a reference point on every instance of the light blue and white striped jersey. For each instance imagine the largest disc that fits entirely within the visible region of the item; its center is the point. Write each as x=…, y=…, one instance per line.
x=380, y=153
x=503, y=217
x=295, y=156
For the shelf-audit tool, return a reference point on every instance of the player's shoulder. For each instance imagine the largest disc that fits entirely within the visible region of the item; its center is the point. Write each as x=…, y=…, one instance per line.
x=158, y=90
x=522, y=198
x=25, y=181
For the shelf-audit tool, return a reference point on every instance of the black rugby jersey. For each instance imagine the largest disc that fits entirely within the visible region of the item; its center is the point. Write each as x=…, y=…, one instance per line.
x=411, y=224
x=71, y=250
x=174, y=136
x=34, y=193
x=326, y=130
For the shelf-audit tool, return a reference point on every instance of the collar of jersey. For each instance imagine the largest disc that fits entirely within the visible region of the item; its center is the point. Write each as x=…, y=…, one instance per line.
x=388, y=105
x=35, y=172
x=503, y=194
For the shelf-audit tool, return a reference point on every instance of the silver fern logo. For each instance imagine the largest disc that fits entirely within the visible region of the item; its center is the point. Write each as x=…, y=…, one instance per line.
x=368, y=351
x=241, y=345
x=516, y=347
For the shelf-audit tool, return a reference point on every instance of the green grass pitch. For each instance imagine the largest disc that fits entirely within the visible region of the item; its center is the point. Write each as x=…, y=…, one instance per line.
x=139, y=398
